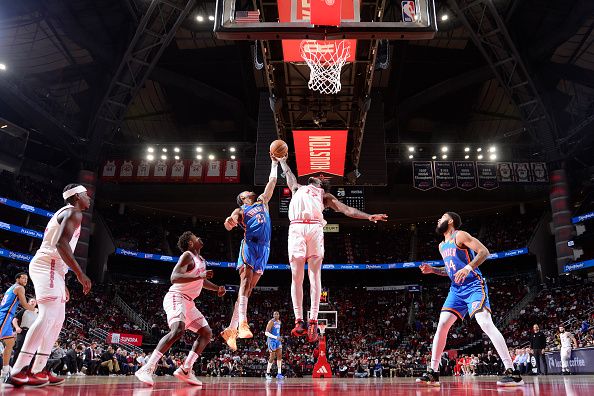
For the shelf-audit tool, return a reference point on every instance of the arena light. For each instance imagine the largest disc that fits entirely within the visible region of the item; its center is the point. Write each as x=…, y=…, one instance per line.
x=493, y=157
x=232, y=157
x=163, y=157
x=164, y=149
x=150, y=150
x=150, y=157
x=411, y=149
x=3, y=126
x=198, y=149
x=444, y=17
x=480, y=156
x=466, y=149
x=478, y=150
x=177, y=157
x=444, y=149
x=232, y=149
x=199, y=18
x=199, y=157
x=411, y=156
x=2, y=66
x=176, y=149
x=211, y=17
x=434, y=157
x=492, y=149
x=445, y=156
x=211, y=157
x=466, y=156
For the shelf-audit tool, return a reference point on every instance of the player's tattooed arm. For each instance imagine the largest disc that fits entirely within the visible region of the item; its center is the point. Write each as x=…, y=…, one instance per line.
x=429, y=269
x=291, y=179
x=330, y=201
x=464, y=239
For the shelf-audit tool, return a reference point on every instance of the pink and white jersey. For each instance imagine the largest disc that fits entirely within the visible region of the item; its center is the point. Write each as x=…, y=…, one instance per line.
x=307, y=204
x=192, y=289
x=50, y=238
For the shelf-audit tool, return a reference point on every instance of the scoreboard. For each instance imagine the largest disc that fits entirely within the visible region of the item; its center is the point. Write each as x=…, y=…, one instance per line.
x=351, y=196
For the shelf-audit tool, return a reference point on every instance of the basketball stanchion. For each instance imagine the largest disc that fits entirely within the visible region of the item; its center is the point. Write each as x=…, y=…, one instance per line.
x=322, y=367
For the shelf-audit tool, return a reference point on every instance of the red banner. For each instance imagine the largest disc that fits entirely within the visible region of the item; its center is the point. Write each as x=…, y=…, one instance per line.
x=320, y=151
x=231, y=174
x=214, y=171
x=300, y=11
x=195, y=172
x=178, y=171
x=121, y=338
x=325, y=12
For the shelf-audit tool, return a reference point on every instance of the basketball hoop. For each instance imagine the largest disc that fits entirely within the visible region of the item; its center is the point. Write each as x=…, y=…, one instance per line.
x=325, y=60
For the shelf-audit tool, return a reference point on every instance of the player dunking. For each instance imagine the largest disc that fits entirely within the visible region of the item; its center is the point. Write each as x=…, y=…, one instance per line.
x=9, y=305
x=306, y=242
x=47, y=271
x=462, y=254
x=254, y=217
x=188, y=278
x=275, y=345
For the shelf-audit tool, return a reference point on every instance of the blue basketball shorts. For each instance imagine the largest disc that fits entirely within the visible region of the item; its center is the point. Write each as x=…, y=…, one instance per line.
x=6, y=323
x=254, y=255
x=467, y=299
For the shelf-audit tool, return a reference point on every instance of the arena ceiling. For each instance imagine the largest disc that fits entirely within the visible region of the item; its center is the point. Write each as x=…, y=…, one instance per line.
x=61, y=56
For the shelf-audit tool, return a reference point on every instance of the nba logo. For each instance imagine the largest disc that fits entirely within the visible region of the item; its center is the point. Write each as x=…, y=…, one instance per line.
x=409, y=13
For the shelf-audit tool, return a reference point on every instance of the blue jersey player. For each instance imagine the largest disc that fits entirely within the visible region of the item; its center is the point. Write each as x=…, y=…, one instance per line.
x=275, y=345
x=8, y=307
x=462, y=254
x=252, y=215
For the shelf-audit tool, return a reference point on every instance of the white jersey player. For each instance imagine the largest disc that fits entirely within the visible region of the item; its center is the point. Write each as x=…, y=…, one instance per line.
x=306, y=242
x=47, y=270
x=188, y=278
x=567, y=341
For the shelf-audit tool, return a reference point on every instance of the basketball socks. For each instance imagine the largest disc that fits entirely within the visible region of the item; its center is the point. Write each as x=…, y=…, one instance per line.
x=40, y=362
x=315, y=286
x=446, y=320
x=190, y=360
x=235, y=318
x=153, y=360
x=243, y=302
x=279, y=364
x=268, y=367
x=485, y=320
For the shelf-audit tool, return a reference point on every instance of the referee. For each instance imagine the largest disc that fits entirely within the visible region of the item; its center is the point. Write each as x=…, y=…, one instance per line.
x=21, y=323
x=538, y=343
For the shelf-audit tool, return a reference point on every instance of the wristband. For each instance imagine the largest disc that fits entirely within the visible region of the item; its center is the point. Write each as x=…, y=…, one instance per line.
x=469, y=268
x=273, y=170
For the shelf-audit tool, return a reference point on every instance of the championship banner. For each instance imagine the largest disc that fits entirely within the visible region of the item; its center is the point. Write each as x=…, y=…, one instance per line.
x=159, y=171
x=195, y=172
x=465, y=175
x=539, y=172
x=522, y=172
x=127, y=339
x=320, y=151
x=231, y=174
x=423, y=175
x=505, y=172
x=143, y=171
x=109, y=170
x=178, y=171
x=444, y=175
x=487, y=175
x=213, y=171
x=126, y=171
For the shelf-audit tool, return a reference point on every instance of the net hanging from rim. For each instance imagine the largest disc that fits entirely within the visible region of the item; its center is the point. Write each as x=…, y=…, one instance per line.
x=325, y=61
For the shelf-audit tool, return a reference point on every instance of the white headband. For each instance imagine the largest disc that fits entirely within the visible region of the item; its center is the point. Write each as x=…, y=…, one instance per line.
x=75, y=190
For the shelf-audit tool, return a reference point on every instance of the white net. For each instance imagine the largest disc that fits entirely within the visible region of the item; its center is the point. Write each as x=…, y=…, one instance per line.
x=325, y=60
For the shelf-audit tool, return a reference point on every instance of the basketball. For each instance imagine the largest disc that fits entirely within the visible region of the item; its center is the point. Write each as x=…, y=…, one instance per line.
x=279, y=148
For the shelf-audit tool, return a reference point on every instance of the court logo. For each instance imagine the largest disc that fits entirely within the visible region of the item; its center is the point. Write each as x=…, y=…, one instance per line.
x=322, y=370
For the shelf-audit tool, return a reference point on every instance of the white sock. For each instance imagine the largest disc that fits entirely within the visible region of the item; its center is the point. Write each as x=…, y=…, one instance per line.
x=297, y=266
x=446, y=320
x=268, y=367
x=235, y=318
x=484, y=320
x=279, y=364
x=153, y=360
x=315, y=286
x=243, y=302
x=5, y=368
x=190, y=360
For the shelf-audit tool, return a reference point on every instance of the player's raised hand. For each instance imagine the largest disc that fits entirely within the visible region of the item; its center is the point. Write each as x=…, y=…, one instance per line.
x=378, y=217
x=282, y=159
x=426, y=268
x=230, y=222
x=208, y=274
x=273, y=158
x=221, y=291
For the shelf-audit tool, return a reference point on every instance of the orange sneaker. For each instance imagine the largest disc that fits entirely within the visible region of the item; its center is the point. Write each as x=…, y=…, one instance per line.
x=244, y=331
x=230, y=337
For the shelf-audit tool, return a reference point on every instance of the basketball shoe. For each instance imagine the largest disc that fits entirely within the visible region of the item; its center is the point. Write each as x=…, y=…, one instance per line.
x=25, y=377
x=511, y=377
x=244, y=331
x=312, y=331
x=187, y=376
x=230, y=337
x=145, y=375
x=430, y=378
x=53, y=380
x=299, y=330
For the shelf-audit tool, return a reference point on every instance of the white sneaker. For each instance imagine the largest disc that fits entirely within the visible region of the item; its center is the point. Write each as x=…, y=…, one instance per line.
x=145, y=376
x=187, y=376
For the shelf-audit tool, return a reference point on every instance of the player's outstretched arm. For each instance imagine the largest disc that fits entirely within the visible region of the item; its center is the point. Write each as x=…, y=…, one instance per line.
x=70, y=222
x=269, y=190
x=232, y=221
x=428, y=269
x=330, y=201
x=208, y=285
x=291, y=179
